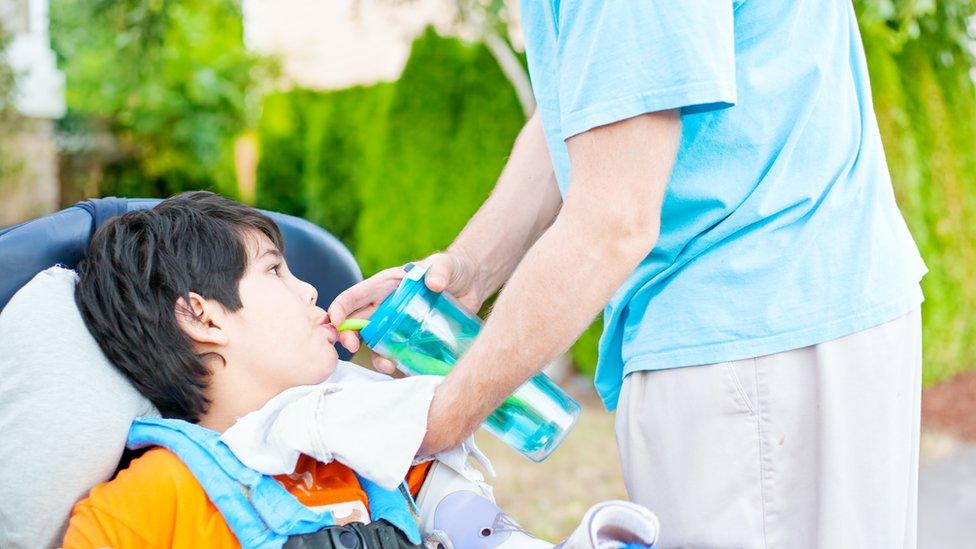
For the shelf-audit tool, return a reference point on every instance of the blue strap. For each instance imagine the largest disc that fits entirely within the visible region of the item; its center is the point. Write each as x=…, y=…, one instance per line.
x=259, y=510
x=396, y=506
x=256, y=507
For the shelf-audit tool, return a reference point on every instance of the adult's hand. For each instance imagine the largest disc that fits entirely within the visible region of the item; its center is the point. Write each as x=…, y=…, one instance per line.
x=523, y=203
x=451, y=271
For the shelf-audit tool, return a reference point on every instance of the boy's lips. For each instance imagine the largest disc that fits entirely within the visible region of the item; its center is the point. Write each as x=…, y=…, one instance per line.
x=331, y=332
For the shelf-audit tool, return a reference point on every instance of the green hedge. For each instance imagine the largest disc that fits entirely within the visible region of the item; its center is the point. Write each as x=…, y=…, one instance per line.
x=171, y=84
x=926, y=105
x=394, y=170
x=316, y=150
x=451, y=124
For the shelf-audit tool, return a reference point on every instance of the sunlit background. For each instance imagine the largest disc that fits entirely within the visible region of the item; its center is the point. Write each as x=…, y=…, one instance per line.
x=387, y=122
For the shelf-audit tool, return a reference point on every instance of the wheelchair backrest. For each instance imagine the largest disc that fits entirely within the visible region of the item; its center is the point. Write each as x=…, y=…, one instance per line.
x=313, y=254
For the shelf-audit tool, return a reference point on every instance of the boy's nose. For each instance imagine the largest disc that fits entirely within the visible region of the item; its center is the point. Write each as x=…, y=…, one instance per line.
x=311, y=294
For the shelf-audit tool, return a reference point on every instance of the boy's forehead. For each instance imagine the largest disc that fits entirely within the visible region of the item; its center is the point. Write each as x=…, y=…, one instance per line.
x=258, y=245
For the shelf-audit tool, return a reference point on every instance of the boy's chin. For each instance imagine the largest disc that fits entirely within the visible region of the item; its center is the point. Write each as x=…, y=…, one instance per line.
x=329, y=366
x=324, y=368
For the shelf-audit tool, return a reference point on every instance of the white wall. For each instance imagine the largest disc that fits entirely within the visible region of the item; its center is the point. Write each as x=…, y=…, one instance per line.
x=330, y=44
x=40, y=86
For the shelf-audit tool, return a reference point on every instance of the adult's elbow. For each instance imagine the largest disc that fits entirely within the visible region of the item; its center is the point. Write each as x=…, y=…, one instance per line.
x=634, y=238
x=618, y=236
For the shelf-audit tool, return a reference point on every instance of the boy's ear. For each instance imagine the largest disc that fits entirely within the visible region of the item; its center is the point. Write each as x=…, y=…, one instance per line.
x=201, y=320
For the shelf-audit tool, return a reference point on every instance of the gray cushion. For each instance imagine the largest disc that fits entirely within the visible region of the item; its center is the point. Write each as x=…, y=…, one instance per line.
x=64, y=411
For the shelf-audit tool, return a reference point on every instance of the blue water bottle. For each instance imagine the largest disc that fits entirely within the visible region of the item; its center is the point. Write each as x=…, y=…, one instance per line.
x=426, y=332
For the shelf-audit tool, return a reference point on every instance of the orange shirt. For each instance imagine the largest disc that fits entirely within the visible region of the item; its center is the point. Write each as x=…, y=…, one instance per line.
x=156, y=502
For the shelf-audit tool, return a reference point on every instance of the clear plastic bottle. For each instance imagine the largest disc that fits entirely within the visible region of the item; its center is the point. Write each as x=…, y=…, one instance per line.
x=426, y=332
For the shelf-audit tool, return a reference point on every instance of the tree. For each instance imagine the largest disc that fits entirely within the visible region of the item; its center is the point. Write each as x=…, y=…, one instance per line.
x=169, y=83
x=921, y=66
x=9, y=117
x=489, y=21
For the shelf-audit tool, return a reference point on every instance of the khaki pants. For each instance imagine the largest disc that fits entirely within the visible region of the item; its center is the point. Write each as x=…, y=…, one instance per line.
x=815, y=447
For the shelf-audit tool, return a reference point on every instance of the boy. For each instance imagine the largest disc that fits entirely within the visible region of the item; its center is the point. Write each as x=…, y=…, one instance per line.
x=194, y=302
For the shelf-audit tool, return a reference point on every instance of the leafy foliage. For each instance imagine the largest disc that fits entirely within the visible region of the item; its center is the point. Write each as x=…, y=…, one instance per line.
x=170, y=81
x=394, y=170
x=452, y=121
x=925, y=100
x=317, y=149
x=9, y=118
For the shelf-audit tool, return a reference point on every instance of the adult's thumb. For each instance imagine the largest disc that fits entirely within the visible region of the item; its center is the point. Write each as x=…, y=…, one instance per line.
x=440, y=272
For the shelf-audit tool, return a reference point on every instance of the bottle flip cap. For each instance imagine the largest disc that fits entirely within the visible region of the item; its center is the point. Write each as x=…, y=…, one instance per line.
x=387, y=315
x=357, y=324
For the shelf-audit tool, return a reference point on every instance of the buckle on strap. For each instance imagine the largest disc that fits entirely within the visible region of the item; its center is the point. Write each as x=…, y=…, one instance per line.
x=375, y=535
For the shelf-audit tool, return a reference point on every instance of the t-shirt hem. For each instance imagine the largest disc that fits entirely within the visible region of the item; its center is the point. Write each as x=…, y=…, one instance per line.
x=700, y=95
x=743, y=349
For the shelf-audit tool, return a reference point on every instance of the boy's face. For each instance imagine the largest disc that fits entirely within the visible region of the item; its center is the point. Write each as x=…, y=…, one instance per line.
x=278, y=334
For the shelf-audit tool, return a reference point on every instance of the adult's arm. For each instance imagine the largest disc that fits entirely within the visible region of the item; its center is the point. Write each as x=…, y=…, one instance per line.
x=522, y=205
x=607, y=225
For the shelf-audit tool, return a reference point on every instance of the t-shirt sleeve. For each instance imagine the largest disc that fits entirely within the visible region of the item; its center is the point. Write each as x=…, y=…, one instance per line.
x=138, y=507
x=621, y=59
x=416, y=477
x=92, y=528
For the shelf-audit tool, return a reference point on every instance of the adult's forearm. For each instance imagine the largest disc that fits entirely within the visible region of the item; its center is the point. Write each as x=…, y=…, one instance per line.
x=524, y=202
x=609, y=223
x=557, y=290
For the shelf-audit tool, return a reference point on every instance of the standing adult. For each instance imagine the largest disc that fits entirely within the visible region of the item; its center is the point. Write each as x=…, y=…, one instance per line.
x=711, y=173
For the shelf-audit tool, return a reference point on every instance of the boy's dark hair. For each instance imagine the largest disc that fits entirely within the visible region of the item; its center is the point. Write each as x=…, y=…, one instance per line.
x=139, y=264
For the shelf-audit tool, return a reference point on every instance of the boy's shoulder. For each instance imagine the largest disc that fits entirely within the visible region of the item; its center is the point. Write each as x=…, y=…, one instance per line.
x=158, y=474
x=157, y=477
x=154, y=498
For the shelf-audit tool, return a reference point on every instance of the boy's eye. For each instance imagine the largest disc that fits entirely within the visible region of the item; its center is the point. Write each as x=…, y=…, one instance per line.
x=276, y=269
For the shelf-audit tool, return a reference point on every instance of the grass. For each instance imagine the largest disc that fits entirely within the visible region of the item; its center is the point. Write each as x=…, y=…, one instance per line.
x=549, y=498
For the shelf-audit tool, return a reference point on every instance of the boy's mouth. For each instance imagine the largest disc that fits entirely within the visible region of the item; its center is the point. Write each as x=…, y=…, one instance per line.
x=331, y=332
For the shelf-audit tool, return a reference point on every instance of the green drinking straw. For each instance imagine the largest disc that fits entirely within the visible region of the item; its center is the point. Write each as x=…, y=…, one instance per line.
x=360, y=323
x=352, y=324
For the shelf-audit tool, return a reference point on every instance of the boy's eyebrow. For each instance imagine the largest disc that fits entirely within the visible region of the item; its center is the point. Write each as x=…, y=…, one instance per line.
x=270, y=251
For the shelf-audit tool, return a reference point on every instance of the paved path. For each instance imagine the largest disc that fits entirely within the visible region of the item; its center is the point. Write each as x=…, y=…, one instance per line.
x=947, y=496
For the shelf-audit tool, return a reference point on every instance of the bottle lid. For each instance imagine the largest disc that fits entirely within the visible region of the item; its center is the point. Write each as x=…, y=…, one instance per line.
x=390, y=311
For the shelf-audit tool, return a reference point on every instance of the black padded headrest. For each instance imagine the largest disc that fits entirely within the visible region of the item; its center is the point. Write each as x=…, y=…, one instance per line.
x=313, y=254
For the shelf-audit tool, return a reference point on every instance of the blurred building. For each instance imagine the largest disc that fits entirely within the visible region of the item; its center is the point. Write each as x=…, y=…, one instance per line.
x=39, y=99
x=341, y=43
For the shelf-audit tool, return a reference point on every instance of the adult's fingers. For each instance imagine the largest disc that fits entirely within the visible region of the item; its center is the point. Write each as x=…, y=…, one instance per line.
x=440, y=271
x=383, y=364
x=447, y=272
x=349, y=340
x=364, y=294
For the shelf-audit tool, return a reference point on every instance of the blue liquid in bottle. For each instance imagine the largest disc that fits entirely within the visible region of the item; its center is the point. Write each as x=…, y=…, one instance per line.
x=426, y=332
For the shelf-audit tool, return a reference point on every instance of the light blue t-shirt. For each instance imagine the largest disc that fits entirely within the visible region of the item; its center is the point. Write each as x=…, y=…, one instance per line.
x=779, y=227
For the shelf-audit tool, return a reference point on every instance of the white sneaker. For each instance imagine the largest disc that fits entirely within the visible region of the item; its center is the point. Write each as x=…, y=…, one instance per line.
x=613, y=525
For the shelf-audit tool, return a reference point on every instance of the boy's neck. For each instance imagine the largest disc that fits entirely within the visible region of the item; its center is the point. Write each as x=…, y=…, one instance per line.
x=232, y=397
x=217, y=422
